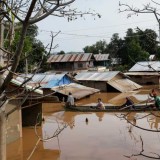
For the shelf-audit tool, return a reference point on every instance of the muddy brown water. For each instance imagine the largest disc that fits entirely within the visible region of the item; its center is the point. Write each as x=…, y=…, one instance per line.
x=103, y=136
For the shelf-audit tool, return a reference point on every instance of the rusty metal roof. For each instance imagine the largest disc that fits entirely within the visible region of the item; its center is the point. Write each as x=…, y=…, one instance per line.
x=70, y=57
x=146, y=66
x=101, y=57
x=78, y=91
x=96, y=76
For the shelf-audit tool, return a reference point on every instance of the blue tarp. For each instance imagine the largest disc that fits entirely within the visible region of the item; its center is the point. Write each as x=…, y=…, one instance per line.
x=46, y=80
x=58, y=81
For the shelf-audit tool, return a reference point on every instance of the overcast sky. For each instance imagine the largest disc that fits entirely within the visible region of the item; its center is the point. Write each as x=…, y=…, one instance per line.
x=75, y=35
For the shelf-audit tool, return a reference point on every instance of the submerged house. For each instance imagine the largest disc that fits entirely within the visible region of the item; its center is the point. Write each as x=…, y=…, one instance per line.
x=78, y=91
x=146, y=72
x=14, y=121
x=101, y=60
x=32, y=107
x=110, y=81
x=58, y=80
x=71, y=62
x=46, y=81
x=16, y=87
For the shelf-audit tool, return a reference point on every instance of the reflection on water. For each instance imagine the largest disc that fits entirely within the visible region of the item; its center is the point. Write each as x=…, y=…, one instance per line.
x=89, y=136
x=100, y=115
x=154, y=121
x=104, y=137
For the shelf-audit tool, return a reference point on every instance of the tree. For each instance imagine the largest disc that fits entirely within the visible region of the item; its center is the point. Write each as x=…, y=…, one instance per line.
x=32, y=46
x=147, y=9
x=99, y=47
x=22, y=14
x=147, y=40
x=131, y=50
x=61, y=52
x=114, y=45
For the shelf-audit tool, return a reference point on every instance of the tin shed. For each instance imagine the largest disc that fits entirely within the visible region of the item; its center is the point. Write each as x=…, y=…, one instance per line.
x=109, y=81
x=146, y=72
x=101, y=60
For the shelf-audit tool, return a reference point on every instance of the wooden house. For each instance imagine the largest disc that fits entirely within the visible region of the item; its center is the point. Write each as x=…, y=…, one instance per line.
x=71, y=62
x=110, y=81
x=146, y=72
x=101, y=60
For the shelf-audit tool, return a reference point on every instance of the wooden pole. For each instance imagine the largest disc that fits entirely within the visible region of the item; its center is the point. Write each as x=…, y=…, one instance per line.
x=1, y=42
x=2, y=107
x=2, y=135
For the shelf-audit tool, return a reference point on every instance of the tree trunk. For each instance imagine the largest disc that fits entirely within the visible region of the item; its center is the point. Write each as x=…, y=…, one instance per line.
x=2, y=124
x=2, y=134
x=1, y=41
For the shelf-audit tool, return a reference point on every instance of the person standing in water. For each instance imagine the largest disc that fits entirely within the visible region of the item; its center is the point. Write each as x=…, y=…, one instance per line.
x=70, y=100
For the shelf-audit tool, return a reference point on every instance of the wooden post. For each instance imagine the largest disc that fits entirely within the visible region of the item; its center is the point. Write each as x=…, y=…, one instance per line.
x=2, y=134
x=1, y=42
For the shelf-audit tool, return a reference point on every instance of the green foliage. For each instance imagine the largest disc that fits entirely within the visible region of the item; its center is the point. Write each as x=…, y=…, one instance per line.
x=122, y=68
x=136, y=46
x=114, y=45
x=158, y=54
x=27, y=43
x=33, y=50
x=32, y=31
x=147, y=40
x=12, y=46
x=99, y=47
x=61, y=52
x=132, y=52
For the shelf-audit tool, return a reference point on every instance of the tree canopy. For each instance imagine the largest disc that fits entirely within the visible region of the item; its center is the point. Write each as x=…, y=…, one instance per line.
x=136, y=46
x=32, y=52
x=99, y=47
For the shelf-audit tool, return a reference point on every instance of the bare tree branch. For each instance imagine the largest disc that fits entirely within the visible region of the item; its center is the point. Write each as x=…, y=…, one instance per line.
x=55, y=134
x=142, y=153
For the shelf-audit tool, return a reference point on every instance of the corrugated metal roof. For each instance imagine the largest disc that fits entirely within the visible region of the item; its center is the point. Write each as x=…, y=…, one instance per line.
x=70, y=57
x=18, y=83
x=59, y=82
x=142, y=74
x=124, y=85
x=96, y=76
x=49, y=59
x=78, y=91
x=148, y=66
x=41, y=79
x=101, y=57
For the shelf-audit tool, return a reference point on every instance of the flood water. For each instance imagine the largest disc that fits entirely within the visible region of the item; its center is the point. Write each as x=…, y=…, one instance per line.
x=105, y=136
